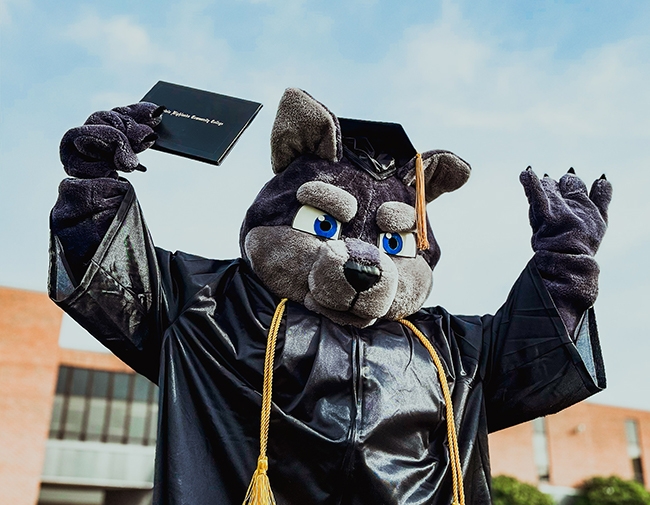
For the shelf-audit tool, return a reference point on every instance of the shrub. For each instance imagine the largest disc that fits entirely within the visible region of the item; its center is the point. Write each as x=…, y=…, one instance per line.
x=612, y=491
x=509, y=491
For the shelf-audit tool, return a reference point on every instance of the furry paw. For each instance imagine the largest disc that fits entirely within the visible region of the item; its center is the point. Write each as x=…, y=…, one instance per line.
x=564, y=217
x=109, y=140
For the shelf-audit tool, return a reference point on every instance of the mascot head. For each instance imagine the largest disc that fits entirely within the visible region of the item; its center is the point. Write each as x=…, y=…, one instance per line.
x=335, y=229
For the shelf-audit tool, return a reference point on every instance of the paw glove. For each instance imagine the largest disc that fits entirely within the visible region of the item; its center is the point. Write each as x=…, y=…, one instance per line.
x=109, y=141
x=568, y=225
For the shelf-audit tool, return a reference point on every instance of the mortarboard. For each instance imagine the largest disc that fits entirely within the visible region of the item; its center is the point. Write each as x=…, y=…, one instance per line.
x=376, y=147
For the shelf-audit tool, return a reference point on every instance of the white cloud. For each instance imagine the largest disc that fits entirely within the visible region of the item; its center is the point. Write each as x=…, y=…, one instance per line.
x=185, y=51
x=118, y=41
x=6, y=8
x=446, y=69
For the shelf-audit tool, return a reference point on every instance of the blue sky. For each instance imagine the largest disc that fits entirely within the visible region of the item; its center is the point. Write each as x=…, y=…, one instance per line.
x=503, y=84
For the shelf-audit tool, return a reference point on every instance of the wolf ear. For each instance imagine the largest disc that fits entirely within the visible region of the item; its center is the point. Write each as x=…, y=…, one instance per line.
x=303, y=125
x=443, y=172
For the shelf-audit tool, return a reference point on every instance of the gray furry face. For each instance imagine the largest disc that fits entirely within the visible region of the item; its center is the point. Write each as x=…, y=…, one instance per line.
x=311, y=271
x=345, y=272
x=326, y=234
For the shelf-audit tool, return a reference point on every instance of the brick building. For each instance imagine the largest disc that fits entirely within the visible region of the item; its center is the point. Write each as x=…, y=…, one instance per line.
x=76, y=427
x=560, y=451
x=79, y=427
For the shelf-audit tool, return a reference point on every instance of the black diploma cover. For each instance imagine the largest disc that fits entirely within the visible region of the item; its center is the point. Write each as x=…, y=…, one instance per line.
x=199, y=124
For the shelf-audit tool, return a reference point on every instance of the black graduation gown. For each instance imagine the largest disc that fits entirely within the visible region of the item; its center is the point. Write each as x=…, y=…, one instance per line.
x=358, y=414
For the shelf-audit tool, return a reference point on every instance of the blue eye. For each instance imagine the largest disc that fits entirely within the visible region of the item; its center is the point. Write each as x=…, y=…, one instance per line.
x=398, y=244
x=325, y=226
x=317, y=222
x=392, y=243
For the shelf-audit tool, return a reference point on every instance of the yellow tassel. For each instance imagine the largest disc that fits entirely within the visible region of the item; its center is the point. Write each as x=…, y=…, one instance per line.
x=259, y=491
x=420, y=205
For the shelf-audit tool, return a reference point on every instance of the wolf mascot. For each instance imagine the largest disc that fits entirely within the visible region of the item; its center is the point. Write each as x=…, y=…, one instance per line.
x=374, y=398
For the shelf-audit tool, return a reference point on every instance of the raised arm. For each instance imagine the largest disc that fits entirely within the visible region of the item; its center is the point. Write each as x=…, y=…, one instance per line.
x=103, y=267
x=541, y=349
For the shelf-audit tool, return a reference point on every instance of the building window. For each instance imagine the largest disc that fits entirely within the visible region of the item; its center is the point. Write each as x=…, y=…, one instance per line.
x=634, y=448
x=94, y=405
x=540, y=449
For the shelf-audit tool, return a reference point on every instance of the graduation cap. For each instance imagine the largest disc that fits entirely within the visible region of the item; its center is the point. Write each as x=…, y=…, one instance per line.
x=381, y=149
x=376, y=147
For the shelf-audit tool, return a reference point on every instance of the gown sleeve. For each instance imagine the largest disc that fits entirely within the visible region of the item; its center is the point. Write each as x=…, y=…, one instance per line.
x=531, y=366
x=120, y=299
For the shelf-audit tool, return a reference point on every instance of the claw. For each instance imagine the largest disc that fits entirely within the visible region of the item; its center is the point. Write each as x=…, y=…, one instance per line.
x=603, y=177
x=571, y=171
x=529, y=168
x=158, y=111
x=546, y=175
x=140, y=168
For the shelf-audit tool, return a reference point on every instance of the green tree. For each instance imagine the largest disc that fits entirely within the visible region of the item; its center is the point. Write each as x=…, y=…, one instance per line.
x=509, y=491
x=612, y=491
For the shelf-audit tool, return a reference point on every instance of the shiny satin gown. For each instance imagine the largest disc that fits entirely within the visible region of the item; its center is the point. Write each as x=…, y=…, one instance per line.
x=358, y=415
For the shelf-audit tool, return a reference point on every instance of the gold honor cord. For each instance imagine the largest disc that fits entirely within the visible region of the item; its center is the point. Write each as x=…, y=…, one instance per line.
x=454, y=453
x=259, y=491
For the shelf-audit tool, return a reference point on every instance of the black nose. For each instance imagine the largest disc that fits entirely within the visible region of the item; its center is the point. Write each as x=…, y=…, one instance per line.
x=361, y=277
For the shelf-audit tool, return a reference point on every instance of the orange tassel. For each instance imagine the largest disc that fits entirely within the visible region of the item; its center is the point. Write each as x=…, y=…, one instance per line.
x=420, y=205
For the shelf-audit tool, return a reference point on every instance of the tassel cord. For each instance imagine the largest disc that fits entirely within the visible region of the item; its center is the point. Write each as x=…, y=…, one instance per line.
x=268, y=376
x=454, y=452
x=259, y=490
